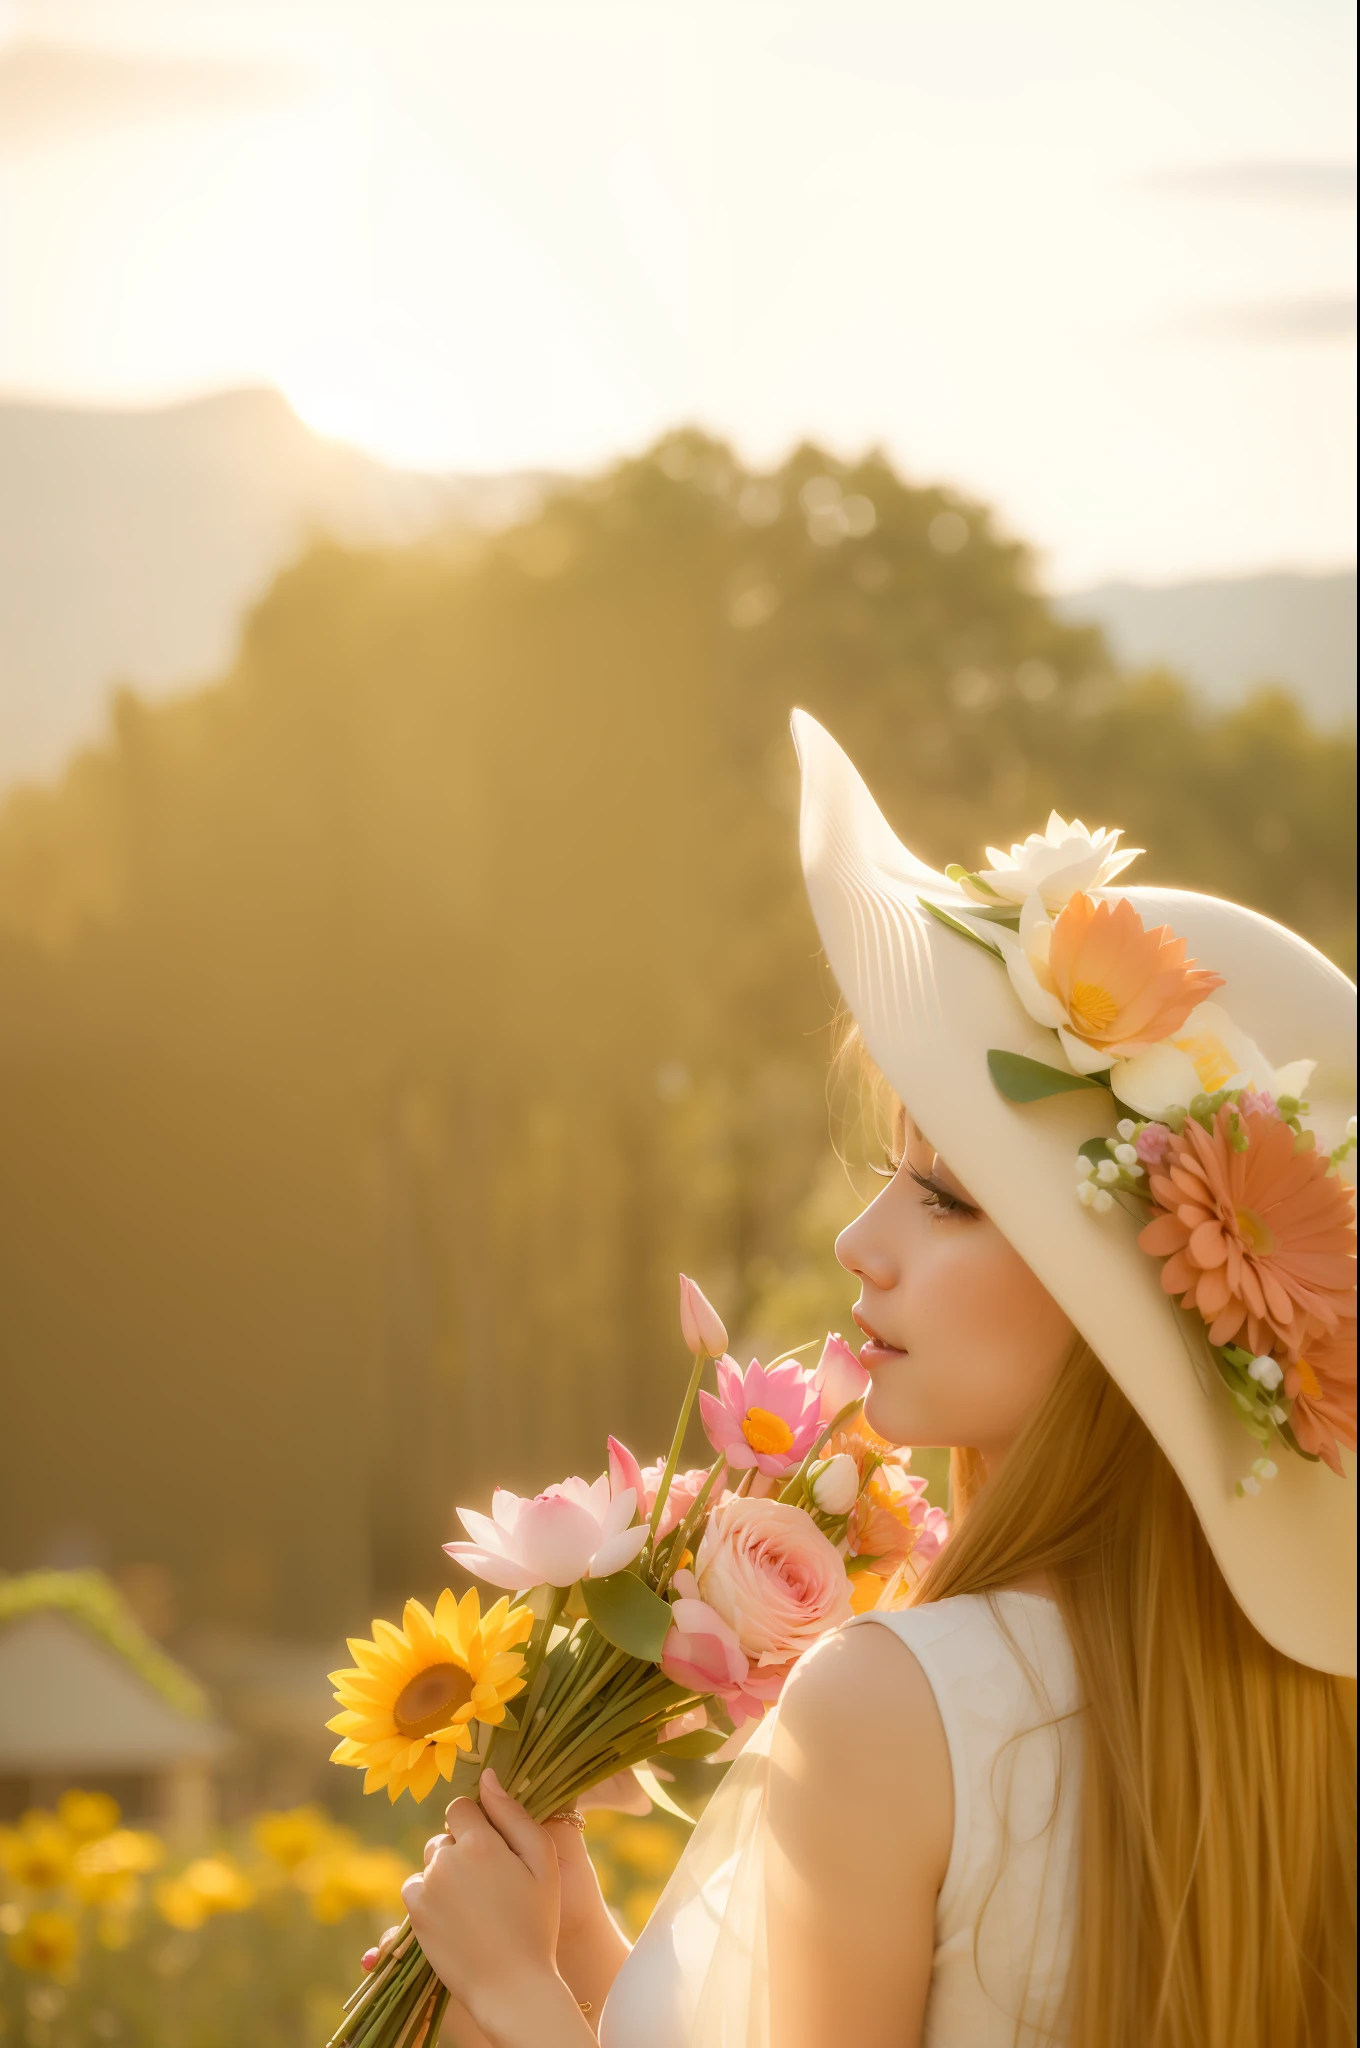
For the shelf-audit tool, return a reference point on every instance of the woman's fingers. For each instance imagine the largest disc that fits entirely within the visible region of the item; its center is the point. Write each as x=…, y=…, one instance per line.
x=373, y=1956
x=433, y=1847
x=531, y=1843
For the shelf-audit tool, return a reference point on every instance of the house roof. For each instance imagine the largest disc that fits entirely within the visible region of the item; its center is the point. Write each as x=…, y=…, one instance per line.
x=83, y=1687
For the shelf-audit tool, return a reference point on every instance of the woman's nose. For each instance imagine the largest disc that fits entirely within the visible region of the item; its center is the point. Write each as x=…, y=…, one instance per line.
x=863, y=1252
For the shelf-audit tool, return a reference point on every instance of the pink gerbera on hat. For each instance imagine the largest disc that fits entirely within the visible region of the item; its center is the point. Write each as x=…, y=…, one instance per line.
x=1260, y=1239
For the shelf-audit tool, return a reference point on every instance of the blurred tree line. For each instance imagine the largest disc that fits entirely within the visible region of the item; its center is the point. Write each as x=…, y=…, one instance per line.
x=383, y=1027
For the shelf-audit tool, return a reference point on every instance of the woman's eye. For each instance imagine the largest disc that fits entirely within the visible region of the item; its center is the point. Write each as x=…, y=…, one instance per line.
x=939, y=1200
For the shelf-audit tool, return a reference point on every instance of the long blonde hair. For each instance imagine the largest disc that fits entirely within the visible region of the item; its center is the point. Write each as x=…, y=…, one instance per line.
x=1217, y=1874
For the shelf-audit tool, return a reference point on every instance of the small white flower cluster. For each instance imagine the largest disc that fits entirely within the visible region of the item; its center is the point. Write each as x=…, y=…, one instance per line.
x=1264, y=1468
x=1268, y=1373
x=1098, y=1181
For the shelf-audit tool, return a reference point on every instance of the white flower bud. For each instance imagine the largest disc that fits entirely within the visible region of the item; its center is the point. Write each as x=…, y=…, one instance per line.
x=1350, y=1129
x=1126, y=1127
x=1265, y=1372
x=1107, y=1171
x=1103, y=1202
x=1265, y=1468
x=1126, y=1155
x=1278, y=1414
x=1087, y=1192
x=1084, y=1167
x=834, y=1483
x=1251, y=1484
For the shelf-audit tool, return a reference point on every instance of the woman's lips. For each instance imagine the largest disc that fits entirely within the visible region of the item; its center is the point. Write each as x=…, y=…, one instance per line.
x=873, y=1351
x=873, y=1355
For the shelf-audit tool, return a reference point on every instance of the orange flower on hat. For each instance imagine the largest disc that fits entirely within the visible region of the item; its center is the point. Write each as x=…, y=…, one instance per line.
x=1321, y=1385
x=1261, y=1240
x=1107, y=984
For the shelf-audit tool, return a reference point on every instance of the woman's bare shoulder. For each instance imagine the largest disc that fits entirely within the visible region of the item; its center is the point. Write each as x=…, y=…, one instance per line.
x=859, y=1735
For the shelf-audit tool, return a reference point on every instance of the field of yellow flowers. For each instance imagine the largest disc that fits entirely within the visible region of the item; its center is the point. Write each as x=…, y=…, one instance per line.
x=108, y=1938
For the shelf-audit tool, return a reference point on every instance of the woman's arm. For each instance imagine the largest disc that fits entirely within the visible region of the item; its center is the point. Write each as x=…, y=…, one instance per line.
x=860, y=1822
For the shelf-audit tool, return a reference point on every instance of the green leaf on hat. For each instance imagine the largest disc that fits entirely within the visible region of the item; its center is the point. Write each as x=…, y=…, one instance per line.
x=628, y=1614
x=961, y=875
x=1022, y=1080
x=955, y=925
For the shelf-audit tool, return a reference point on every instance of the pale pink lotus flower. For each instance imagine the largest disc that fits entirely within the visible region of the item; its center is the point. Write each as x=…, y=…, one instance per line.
x=838, y=1377
x=766, y=1419
x=570, y=1531
x=775, y=1579
x=700, y=1324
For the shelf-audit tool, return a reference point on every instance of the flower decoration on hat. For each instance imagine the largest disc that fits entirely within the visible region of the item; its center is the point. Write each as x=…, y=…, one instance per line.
x=1253, y=1223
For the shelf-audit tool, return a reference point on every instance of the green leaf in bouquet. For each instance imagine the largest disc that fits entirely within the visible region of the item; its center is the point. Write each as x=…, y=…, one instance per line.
x=1023, y=1080
x=699, y=1742
x=628, y=1614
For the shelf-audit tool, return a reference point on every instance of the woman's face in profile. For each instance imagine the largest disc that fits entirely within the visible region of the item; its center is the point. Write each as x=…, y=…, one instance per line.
x=962, y=1341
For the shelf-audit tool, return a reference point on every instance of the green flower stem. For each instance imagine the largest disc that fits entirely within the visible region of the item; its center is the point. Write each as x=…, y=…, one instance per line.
x=537, y=1651
x=798, y=1483
x=569, y=1708
x=575, y=1771
x=673, y=1456
x=682, y=1535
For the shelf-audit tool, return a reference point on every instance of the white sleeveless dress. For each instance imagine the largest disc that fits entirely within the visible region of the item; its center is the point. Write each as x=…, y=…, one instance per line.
x=1002, y=1673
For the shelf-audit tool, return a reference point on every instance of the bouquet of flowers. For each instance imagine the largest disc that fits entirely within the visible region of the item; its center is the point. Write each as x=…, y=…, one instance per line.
x=663, y=1612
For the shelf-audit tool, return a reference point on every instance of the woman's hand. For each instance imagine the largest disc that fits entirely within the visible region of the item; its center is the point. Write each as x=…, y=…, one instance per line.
x=486, y=1913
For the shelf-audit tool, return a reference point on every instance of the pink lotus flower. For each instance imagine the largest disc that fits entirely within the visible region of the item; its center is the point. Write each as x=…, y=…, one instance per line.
x=773, y=1577
x=569, y=1532
x=700, y=1324
x=766, y=1419
x=838, y=1377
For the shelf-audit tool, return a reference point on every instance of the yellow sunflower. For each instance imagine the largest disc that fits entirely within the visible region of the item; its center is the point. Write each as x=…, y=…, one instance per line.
x=409, y=1704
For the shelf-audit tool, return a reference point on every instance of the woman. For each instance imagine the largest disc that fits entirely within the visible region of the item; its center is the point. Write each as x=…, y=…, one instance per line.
x=1094, y=1784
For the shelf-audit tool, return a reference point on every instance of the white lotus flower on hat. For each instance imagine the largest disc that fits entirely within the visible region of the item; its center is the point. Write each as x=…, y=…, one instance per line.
x=1209, y=1052
x=1053, y=864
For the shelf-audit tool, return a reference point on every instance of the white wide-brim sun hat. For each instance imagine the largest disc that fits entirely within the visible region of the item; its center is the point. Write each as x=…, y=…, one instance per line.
x=931, y=1006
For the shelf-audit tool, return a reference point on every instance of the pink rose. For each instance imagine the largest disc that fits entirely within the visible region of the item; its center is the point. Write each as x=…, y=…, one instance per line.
x=681, y=1494
x=767, y=1569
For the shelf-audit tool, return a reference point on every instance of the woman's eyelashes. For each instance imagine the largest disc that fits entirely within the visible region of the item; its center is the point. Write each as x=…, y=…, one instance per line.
x=940, y=1199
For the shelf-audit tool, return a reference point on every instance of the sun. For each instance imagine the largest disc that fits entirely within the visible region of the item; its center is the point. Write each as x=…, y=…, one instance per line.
x=409, y=1704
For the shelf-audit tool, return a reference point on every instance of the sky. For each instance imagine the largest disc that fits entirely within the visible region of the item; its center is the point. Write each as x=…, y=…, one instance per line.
x=1093, y=263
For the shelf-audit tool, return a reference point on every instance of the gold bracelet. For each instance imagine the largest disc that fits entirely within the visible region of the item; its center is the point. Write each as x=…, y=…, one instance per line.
x=586, y=2006
x=573, y=1817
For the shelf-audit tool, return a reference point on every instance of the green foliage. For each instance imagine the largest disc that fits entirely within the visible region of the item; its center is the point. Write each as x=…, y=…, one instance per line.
x=628, y=1614
x=382, y=1029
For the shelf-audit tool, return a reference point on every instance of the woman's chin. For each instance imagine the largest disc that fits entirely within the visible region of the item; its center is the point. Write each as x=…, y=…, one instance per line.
x=891, y=1419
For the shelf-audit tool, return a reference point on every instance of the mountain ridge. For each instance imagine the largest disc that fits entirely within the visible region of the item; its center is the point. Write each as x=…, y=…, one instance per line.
x=135, y=541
